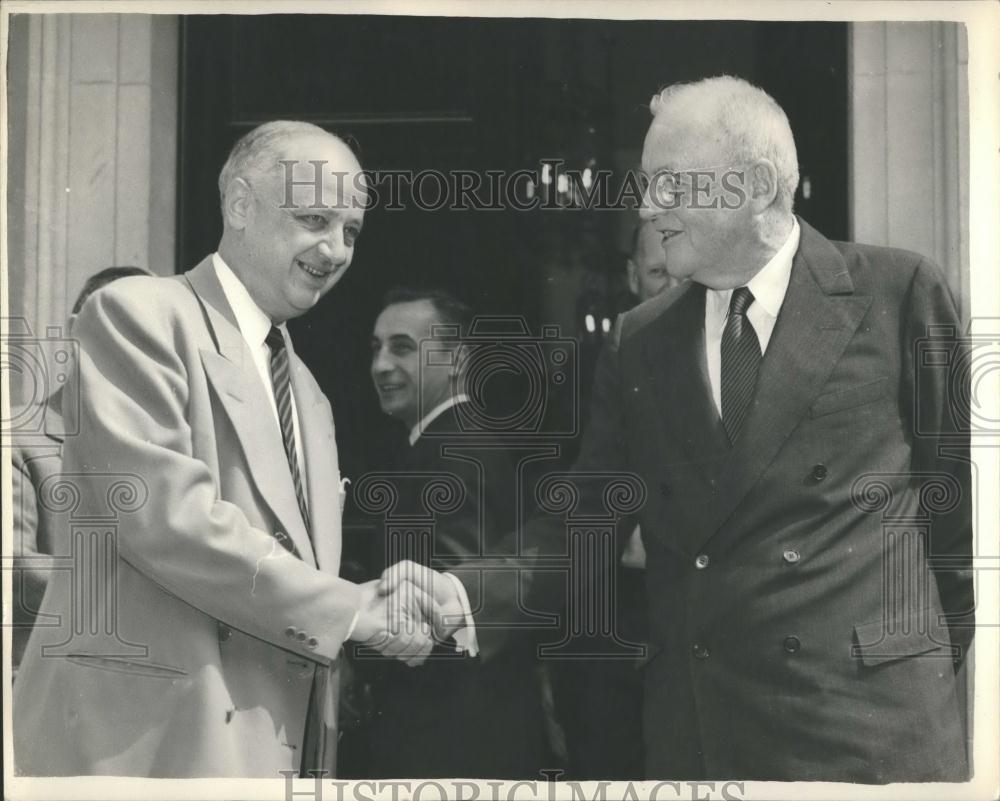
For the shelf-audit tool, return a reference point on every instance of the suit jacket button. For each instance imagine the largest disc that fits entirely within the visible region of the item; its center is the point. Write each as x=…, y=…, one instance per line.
x=699, y=651
x=665, y=490
x=311, y=643
x=701, y=562
x=791, y=556
x=819, y=472
x=225, y=633
x=301, y=636
x=791, y=644
x=291, y=631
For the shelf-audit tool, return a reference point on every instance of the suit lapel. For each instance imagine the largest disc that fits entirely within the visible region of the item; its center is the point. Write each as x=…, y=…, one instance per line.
x=674, y=351
x=231, y=370
x=817, y=320
x=320, y=457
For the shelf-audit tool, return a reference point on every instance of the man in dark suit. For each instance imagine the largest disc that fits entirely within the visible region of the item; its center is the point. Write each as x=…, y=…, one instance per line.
x=456, y=716
x=808, y=515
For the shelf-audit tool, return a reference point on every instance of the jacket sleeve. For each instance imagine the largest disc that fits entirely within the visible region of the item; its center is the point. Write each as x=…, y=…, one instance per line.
x=31, y=567
x=535, y=582
x=136, y=413
x=937, y=396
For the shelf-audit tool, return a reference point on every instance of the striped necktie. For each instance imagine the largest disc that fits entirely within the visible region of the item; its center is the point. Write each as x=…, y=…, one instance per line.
x=283, y=399
x=740, y=362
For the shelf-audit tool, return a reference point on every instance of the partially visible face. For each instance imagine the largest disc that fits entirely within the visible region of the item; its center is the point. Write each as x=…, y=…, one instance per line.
x=291, y=257
x=406, y=390
x=647, y=267
x=704, y=244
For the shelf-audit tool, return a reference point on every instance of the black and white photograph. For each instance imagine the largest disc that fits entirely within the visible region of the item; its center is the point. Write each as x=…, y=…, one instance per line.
x=500, y=401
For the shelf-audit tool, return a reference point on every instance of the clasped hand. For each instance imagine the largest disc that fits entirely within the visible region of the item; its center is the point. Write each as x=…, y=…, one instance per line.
x=407, y=611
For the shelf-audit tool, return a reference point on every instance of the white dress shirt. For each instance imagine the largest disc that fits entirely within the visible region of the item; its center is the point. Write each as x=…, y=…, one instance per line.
x=768, y=287
x=465, y=637
x=435, y=413
x=254, y=325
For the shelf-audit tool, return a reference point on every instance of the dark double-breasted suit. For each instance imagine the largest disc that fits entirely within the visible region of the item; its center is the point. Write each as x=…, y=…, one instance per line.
x=797, y=628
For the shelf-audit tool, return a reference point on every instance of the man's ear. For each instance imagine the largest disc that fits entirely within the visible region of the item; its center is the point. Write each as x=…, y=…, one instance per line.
x=237, y=207
x=763, y=187
x=70, y=323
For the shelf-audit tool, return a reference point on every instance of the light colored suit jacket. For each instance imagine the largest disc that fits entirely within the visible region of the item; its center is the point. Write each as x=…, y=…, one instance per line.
x=200, y=607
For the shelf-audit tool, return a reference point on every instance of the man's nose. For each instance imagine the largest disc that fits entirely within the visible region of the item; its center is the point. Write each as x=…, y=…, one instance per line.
x=333, y=249
x=380, y=362
x=648, y=209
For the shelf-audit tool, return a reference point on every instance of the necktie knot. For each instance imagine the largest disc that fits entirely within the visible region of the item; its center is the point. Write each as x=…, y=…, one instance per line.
x=741, y=301
x=274, y=340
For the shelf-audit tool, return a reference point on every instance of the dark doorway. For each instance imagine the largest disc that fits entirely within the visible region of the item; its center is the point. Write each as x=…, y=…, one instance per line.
x=479, y=95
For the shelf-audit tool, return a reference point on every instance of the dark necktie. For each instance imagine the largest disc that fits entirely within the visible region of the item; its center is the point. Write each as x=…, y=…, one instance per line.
x=283, y=400
x=740, y=362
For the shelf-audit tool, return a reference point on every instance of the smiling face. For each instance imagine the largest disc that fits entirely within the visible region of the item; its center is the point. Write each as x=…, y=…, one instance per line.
x=406, y=390
x=710, y=244
x=647, y=267
x=288, y=258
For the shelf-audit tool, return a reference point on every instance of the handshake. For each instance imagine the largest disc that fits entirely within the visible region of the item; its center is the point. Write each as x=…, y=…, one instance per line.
x=407, y=611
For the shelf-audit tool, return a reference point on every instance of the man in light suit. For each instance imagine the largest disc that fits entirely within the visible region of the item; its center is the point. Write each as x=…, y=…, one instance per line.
x=206, y=452
x=35, y=458
x=808, y=515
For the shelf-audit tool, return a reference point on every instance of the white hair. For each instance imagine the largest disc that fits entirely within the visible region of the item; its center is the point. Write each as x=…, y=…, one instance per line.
x=260, y=150
x=746, y=120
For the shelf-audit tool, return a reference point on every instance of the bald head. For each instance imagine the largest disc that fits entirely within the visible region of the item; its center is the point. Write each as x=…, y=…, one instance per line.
x=257, y=155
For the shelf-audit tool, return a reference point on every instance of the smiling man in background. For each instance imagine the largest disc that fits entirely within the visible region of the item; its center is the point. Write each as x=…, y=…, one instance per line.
x=457, y=715
x=223, y=590
x=646, y=265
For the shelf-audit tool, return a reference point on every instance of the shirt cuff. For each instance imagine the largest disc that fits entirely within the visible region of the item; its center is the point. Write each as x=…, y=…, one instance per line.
x=465, y=637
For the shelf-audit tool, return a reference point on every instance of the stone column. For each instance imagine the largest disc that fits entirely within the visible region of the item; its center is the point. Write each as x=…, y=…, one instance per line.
x=909, y=172
x=93, y=120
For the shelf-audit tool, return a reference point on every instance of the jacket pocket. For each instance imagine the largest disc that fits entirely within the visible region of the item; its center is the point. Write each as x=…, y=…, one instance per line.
x=850, y=398
x=135, y=667
x=874, y=643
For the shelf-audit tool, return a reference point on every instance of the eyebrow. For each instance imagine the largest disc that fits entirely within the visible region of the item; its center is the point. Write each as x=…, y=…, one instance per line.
x=394, y=338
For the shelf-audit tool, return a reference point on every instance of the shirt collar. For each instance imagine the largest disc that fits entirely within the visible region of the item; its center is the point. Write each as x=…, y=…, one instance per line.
x=770, y=283
x=253, y=322
x=433, y=414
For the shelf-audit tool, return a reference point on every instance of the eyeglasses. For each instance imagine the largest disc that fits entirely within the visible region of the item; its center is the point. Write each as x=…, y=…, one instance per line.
x=697, y=187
